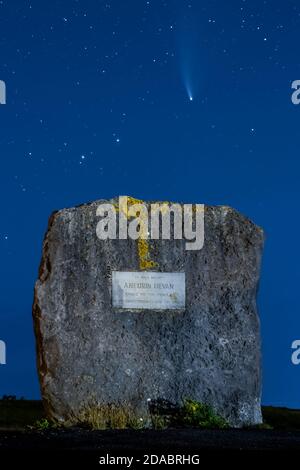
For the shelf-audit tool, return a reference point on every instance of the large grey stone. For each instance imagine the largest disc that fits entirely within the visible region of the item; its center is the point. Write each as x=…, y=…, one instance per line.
x=95, y=360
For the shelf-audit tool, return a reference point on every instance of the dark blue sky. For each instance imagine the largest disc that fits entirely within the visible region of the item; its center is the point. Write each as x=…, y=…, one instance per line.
x=98, y=105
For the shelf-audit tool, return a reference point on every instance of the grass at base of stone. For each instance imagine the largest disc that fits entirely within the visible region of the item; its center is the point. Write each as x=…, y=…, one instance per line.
x=162, y=414
x=22, y=414
x=111, y=416
x=191, y=414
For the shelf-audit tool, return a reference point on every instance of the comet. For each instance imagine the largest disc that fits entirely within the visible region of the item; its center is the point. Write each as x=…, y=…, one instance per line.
x=191, y=60
x=188, y=89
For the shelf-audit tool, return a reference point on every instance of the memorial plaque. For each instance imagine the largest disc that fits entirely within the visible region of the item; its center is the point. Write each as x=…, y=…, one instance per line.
x=148, y=290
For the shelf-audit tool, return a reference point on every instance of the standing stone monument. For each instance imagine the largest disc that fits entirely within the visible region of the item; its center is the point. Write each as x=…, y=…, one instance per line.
x=122, y=323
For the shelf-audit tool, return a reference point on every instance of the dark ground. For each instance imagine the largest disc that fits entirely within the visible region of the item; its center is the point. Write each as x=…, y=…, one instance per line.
x=124, y=442
x=15, y=435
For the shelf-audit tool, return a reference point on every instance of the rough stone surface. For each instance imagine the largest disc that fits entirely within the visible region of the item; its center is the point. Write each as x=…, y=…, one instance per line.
x=92, y=357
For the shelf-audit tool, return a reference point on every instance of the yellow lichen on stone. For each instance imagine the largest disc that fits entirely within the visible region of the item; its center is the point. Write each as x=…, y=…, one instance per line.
x=144, y=255
x=145, y=262
x=124, y=203
x=143, y=249
x=133, y=200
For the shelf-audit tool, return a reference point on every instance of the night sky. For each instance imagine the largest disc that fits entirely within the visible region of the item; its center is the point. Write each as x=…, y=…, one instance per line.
x=163, y=100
